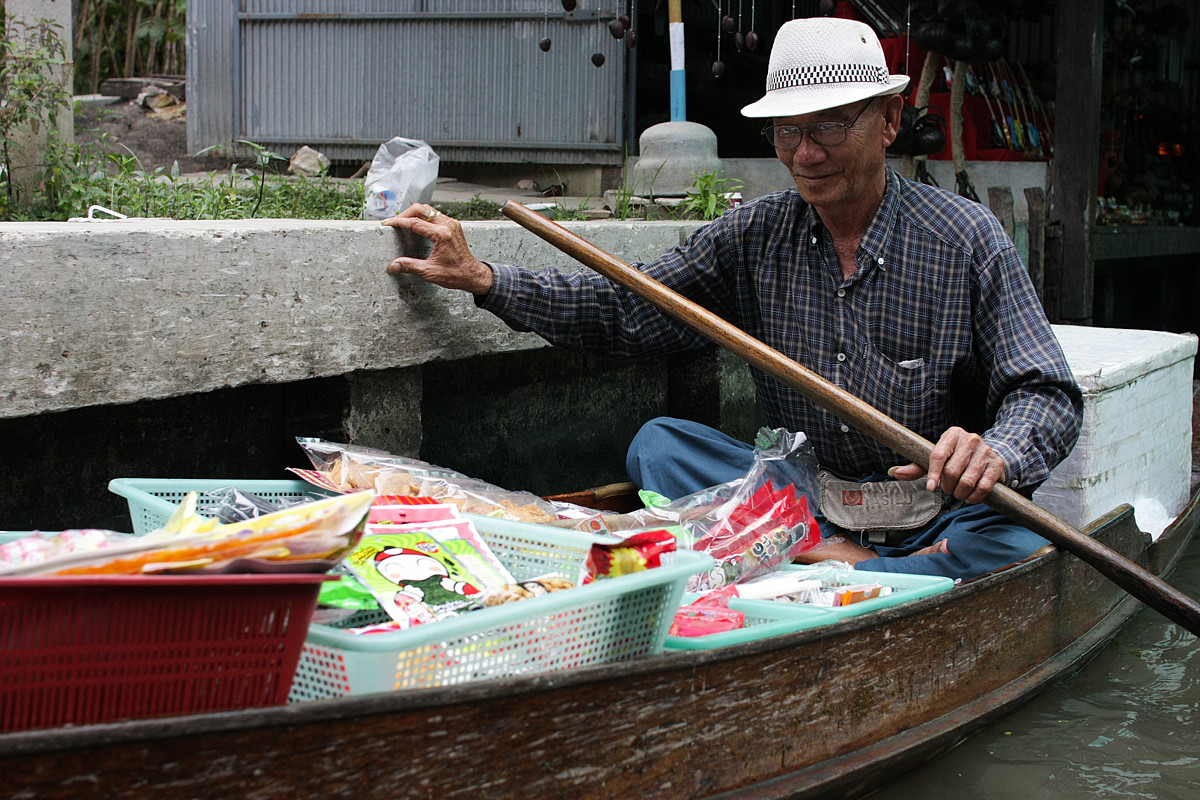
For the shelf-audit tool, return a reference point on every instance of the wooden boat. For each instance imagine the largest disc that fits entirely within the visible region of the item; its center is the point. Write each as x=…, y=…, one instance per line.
x=831, y=711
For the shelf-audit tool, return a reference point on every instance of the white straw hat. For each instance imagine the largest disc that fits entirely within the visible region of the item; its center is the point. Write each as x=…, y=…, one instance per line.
x=823, y=62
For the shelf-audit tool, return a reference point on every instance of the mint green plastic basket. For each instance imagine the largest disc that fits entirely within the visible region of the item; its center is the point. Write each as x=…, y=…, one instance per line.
x=764, y=619
x=605, y=621
x=905, y=588
x=153, y=500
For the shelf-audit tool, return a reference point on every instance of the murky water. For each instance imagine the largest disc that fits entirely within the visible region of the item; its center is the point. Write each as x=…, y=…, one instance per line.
x=1126, y=726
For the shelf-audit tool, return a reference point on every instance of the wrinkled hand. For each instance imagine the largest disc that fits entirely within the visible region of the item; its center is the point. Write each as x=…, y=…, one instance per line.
x=450, y=264
x=962, y=464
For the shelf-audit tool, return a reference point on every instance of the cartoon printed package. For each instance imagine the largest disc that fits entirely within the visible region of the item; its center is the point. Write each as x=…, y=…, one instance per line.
x=415, y=579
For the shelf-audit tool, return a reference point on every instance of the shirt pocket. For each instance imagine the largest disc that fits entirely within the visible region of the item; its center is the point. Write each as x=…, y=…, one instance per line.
x=904, y=390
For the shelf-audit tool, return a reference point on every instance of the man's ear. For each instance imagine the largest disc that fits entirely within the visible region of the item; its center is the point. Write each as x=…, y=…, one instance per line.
x=892, y=107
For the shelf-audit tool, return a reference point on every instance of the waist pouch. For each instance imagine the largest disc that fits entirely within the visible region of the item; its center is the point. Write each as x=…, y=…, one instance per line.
x=884, y=510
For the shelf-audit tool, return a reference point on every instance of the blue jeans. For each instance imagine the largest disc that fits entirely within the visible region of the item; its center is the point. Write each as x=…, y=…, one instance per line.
x=676, y=457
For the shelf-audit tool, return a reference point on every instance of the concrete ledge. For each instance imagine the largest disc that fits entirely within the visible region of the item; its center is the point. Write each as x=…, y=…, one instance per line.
x=117, y=312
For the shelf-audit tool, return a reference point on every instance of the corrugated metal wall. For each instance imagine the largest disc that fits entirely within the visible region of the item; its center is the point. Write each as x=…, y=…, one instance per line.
x=467, y=76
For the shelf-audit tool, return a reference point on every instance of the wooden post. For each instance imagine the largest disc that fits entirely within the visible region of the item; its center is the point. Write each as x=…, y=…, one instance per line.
x=1070, y=271
x=678, y=83
x=1000, y=201
x=1035, y=199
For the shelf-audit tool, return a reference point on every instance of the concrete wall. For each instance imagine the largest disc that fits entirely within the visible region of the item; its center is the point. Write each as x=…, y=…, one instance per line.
x=151, y=348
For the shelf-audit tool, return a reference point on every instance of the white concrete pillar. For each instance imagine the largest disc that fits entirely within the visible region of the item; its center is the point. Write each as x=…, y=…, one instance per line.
x=28, y=150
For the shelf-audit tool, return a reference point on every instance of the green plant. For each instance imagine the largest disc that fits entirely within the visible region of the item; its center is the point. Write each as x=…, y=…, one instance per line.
x=709, y=196
x=86, y=175
x=476, y=208
x=33, y=92
x=627, y=199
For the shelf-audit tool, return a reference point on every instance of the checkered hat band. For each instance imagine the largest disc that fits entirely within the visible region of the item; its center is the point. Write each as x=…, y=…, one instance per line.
x=831, y=73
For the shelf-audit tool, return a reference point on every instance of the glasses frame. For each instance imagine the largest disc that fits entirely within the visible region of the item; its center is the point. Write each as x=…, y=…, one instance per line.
x=836, y=129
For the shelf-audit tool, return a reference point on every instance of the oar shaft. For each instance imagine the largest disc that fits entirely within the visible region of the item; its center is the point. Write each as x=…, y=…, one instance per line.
x=1135, y=580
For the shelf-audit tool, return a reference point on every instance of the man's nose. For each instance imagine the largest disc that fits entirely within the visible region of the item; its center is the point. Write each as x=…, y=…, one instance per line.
x=808, y=150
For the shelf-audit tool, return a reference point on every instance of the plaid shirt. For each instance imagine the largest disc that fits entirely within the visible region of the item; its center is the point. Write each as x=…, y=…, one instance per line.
x=939, y=325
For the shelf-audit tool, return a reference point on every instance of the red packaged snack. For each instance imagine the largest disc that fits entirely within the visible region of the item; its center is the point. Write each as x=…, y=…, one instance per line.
x=640, y=551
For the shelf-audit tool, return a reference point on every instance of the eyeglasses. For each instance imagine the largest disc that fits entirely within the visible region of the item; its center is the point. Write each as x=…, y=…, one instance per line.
x=825, y=134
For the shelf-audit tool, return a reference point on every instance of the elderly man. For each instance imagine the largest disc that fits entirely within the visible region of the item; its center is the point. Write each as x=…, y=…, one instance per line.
x=911, y=298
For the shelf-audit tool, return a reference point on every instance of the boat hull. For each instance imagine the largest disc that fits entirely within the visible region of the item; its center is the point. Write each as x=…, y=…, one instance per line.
x=830, y=712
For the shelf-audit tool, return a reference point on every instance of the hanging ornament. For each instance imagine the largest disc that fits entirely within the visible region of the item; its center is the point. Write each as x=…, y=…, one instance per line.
x=752, y=35
x=568, y=5
x=728, y=23
x=544, y=42
x=616, y=29
x=718, y=66
x=598, y=59
x=739, y=39
x=626, y=23
x=631, y=39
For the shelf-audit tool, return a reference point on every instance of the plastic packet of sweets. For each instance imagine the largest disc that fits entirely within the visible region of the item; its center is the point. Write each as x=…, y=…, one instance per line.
x=645, y=550
x=413, y=577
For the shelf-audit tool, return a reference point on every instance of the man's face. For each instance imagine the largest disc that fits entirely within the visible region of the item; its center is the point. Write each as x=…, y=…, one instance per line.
x=845, y=174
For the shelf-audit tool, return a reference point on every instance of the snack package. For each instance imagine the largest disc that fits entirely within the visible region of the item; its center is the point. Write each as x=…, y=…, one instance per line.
x=309, y=537
x=708, y=614
x=752, y=524
x=460, y=536
x=230, y=504
x=641, y=551
x=38, y=547
x=413, y=577
x=824, y=584
x=511, y=592
x=346, y=467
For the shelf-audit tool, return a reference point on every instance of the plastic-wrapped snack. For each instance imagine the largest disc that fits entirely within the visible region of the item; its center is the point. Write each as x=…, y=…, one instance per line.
x=413, y=577
x=230, y=504
x=511, y=592
x=347, y=466
x=710, y=613
x=748, y=524
x=308, y=537
x=38, y=547
x=641, y=551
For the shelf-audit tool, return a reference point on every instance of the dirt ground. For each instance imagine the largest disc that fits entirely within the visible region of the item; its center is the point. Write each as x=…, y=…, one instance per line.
x=157, y=142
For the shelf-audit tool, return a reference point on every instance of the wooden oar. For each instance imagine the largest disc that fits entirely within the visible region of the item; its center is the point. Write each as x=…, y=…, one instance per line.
x=1135, y=580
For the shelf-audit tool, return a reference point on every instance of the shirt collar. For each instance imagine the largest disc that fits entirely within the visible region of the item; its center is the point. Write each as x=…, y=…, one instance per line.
x=874, y=241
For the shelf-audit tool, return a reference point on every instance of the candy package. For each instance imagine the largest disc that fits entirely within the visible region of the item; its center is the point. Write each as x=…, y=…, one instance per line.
x=415, y=579
x=752, y=524
x=346, y=467
x=710, y=613
x=310, y=537
x=641, y=551
x=38, y=547
x=230, y=504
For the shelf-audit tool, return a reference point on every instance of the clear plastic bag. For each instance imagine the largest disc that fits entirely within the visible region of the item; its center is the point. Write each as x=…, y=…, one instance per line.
x=403, y=172
x=752, y=524
x=350, y=467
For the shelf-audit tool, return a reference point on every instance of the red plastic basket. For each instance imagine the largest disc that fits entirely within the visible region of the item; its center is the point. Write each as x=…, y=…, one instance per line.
x=77, y=650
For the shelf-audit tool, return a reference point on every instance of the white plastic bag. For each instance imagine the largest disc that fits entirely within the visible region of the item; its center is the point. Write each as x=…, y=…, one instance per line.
x=402, y=173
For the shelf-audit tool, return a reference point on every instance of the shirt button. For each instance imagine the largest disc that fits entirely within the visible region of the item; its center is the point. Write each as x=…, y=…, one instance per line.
x=814, y=240
x=845, y=429
x=841, y=356
x=880, y=260
x=841, y=292
x=1014, y=483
